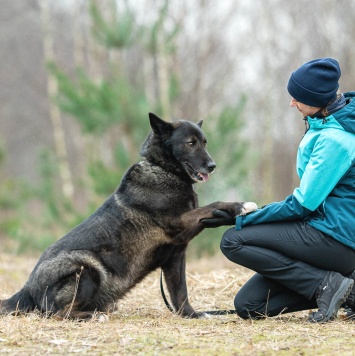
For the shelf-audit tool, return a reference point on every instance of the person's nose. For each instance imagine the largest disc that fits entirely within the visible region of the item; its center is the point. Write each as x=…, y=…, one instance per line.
x=293, y=102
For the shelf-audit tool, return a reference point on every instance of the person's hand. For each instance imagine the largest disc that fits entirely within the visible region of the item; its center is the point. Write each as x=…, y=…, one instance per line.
x=220, y=218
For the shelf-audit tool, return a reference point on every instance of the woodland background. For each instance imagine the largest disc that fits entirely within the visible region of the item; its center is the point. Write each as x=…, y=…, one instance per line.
x=78, y=78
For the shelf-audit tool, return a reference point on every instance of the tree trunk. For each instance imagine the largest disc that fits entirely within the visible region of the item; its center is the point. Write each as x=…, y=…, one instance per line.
x=54, y=113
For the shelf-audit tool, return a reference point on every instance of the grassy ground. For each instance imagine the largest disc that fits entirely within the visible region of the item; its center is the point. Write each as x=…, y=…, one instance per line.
x=143, y=326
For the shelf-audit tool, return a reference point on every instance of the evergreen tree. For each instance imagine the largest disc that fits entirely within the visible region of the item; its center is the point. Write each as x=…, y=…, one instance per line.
x=110, y=104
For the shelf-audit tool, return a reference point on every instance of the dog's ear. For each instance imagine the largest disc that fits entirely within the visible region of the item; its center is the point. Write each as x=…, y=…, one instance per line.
x=161, y=130
x=159, y=126
x=199, y=123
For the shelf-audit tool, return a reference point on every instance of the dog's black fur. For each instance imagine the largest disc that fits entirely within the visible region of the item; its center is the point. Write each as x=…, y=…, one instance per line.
x=147, y=223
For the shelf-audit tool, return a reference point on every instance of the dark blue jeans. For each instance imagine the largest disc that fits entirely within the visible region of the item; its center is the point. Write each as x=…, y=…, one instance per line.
x=291, y=259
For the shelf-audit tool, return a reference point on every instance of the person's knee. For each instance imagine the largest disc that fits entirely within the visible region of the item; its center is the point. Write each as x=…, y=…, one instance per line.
x=241, y=308
x=245, y=310
x=229, y=243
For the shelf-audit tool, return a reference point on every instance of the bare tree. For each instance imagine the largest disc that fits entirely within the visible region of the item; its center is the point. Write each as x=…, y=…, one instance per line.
x=54, y=113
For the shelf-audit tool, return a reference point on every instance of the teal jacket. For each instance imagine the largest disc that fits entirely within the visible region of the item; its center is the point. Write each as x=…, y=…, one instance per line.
x=325, y=198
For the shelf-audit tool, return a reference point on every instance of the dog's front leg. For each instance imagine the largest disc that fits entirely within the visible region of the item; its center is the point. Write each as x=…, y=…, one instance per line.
x=191, y=220
x=175, y=278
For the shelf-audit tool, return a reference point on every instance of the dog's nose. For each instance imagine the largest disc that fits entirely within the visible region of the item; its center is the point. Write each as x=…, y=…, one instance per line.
x=211, y=166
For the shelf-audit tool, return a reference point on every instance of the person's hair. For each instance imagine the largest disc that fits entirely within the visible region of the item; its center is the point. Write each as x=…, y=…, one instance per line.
x=325, y=109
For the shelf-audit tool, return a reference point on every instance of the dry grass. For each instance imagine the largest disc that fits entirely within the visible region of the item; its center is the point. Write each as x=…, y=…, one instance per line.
x=143, y=325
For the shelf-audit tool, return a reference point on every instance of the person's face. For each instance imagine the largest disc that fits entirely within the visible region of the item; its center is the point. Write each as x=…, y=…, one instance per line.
x=304, y=109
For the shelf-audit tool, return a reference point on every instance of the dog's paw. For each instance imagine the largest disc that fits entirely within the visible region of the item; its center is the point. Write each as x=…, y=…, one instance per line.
x=97, y=318
x=102, y=318
x=248, y=207
x=203, y=315
x=198, y=315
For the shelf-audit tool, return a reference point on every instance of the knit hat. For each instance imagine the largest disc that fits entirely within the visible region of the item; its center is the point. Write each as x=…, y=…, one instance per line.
x=315, y=83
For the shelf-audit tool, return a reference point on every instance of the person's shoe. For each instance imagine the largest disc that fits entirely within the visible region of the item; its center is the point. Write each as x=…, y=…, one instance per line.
x=331, y=294
x=350, y=314
x=350, y=300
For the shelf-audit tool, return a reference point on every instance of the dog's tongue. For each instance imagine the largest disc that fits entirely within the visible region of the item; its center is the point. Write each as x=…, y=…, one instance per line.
x=204, y=176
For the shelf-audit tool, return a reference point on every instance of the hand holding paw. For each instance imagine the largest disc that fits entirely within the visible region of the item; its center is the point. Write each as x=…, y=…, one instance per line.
x=220, y=218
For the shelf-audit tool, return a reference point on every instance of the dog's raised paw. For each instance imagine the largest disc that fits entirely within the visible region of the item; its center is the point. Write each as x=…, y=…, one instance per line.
x=248, y=207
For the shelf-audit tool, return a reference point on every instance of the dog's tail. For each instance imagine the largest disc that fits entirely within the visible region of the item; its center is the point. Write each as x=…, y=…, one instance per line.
x=21, y=302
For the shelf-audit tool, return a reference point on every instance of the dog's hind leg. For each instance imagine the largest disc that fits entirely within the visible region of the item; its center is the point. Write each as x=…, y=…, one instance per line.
x=175, y=278
x=71, y=278
x=83, y=297
x=76, y=298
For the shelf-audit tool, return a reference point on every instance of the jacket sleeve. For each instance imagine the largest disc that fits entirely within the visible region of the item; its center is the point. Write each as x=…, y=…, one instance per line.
x=287, y=210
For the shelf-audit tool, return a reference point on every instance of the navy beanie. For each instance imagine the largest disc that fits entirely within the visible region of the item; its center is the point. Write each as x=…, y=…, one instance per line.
x=315, y=83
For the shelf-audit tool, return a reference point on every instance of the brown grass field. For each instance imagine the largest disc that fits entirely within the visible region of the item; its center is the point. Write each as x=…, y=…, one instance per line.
x=142, y=324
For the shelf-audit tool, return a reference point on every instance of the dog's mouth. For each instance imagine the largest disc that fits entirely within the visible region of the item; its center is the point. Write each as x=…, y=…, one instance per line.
x=201, y=177
x=196, y=175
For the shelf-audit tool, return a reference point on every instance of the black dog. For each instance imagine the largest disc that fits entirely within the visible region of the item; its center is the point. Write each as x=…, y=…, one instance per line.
x=147, y=223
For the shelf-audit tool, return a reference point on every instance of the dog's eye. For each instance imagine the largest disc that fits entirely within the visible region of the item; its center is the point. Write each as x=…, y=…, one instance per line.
x=191, y=143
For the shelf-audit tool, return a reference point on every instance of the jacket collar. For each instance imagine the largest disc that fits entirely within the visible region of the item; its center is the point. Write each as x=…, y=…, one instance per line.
x=341, y=114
